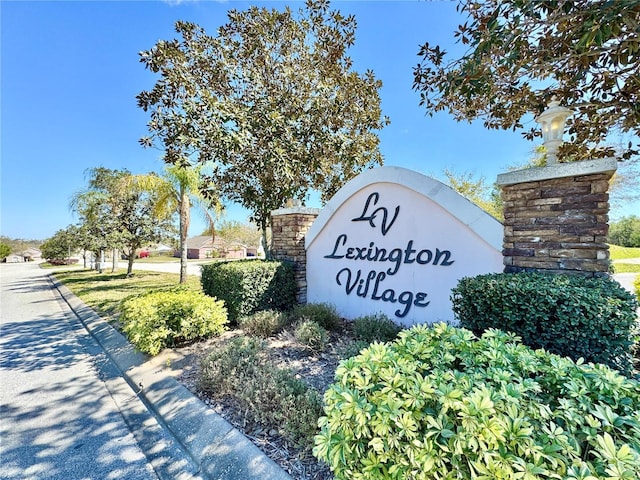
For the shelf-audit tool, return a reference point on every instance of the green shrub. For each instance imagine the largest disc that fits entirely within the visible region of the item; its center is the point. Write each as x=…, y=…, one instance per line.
x=156, y=320
x=375, y=328
x=268, y=396
x=263, y=323
x=311, y=335
x=352, y=348
x=439, y=403
x=636, y=285
x=323, y=314
x=589, y=318
x=247, y=286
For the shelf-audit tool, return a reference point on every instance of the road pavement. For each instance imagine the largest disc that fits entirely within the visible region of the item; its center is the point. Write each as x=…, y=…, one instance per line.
x=65, y=413
x=77, y=402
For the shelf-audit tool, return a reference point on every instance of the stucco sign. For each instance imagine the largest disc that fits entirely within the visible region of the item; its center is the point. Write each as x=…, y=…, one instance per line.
x=395, y=241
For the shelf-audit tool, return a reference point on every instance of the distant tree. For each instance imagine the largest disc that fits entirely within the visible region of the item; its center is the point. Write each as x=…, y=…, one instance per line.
x=20, y=244
x=521, y=53
x=57, y=249
x=625, y=232
x=5, y=250
x=270, y=103
x=176, y=191
x=232, y=231
x=477, y=190
x=116, y=218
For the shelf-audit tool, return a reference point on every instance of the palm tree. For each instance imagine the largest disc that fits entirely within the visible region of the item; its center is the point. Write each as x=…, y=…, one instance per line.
x=177, y=191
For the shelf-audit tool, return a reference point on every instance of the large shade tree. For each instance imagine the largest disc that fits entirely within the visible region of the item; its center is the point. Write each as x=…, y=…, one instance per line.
x=521, y=53
x=270, y=103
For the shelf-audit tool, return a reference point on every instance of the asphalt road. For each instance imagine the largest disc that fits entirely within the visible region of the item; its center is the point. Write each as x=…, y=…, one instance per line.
x=58, y=419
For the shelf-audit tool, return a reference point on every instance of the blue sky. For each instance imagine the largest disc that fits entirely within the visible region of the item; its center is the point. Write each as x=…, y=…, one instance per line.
x=70, y=74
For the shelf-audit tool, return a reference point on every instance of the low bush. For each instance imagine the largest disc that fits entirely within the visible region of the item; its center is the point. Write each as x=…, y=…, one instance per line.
x=636, y=285
x=63, y=261
x=323, y=314
x=311, y=335
x=352, y=348
x=440, y=403
x=247, y=286
x=263, y=323
x=268, y=396
x=375, y=328
x=589, y=318
x=156, y=320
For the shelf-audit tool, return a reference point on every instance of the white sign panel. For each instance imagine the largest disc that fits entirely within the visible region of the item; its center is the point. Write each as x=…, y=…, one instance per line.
x=395, y=241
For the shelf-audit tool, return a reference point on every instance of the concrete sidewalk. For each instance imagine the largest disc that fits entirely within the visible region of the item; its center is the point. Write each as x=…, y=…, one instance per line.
x=217, y=449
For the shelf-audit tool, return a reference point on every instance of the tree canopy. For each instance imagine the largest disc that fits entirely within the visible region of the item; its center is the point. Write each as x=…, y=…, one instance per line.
x=521, y=53
x=119, y=218
x=270, y=104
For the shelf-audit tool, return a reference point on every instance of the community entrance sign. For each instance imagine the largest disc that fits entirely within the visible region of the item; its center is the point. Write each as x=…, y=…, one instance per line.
x=395, y=241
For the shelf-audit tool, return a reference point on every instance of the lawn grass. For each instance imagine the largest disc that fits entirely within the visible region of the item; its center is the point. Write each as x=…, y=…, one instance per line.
x=626, y=267
x=103, y=292
x=620, y=253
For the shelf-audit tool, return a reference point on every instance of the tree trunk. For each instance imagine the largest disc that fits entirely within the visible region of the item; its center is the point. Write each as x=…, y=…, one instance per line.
x=265, y=247
x=184, y=230
x=114, y=260
x=132, y=256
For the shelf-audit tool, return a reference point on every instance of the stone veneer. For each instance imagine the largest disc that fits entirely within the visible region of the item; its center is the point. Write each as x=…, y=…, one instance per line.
x=556, y=218
x=288, y=229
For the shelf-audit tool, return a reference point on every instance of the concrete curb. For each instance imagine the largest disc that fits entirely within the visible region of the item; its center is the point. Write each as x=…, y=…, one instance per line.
x=218, y=449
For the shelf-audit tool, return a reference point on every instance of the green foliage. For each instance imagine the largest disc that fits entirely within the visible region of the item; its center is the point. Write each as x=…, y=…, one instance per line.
x=57, y=247
x=263, y=323
x=375, y=328
x=311, y=335
x=636, y=285
x=518, y=54
x=484, y=196
x=247, y=286
x=232, y=231
x=625, y=232
x=272, y=99
x=177, y=192
x=269, y=396
x=439, y=403
x=19, y=244
x=593, y=319
x=117, y=217
x=156, y=320
x=5, y=250
x=351, y=349
x=323, y=314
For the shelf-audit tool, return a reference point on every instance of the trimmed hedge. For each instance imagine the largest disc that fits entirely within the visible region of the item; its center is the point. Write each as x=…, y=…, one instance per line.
x=439, y=403
x=589, y=318
x=156, y=320
x=248, y=286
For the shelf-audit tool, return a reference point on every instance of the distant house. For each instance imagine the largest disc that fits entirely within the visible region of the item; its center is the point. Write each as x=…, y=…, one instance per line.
x=14, y=258
x=29, y=255
x=203, y=247
x=32, y=255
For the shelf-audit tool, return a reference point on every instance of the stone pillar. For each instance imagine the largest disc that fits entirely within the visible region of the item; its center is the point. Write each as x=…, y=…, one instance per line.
x=288, y=229
x=556, y=218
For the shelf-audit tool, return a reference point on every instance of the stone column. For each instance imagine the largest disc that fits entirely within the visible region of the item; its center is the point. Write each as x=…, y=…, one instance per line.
x=556, y=218
x=288, y=229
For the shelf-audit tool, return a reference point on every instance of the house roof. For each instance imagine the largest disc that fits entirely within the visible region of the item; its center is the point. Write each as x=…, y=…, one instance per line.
x=201, y=241
x=204, y=241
